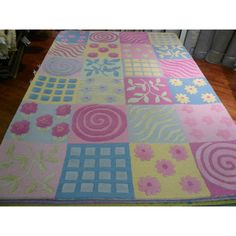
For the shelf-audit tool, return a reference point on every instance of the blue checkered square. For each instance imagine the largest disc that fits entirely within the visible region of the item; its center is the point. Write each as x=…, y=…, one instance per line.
x=96, y=171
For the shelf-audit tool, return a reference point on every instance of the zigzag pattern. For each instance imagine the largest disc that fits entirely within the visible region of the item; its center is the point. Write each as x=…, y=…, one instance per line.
x=154, y=125
x=67, y=50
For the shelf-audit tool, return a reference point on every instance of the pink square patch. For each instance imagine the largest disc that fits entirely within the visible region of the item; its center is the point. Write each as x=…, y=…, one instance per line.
x=137, y=51
x=216, y=162
x=134, y=37
x=147, y=91
x=180, y=68
x=204, y=123
x=98, y=123
x=30, y=171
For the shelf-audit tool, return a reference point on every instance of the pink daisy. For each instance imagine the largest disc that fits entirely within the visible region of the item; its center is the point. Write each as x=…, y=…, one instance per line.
x=178, y=152
x=149, y=185
x=223, y=133
x=227, y=121
x=187, y=109
x=190, y=184
x=217, y=107
x=190, y=121
x=143, y=151
x=207, y=119
x=165, y=167
x=197, y=133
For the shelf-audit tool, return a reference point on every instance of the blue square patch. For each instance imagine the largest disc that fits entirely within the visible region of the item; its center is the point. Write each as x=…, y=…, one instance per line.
x=97, y=171
x=192, y=91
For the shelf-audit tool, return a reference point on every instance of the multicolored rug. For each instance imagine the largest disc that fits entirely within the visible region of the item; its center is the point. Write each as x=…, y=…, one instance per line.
x=121, y=118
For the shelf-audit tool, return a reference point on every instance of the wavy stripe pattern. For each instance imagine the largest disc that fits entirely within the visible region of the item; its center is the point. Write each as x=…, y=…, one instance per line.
x=98, y=123
x=185, y=68
x=67, y=50
x=154, y=125
x=134, y=37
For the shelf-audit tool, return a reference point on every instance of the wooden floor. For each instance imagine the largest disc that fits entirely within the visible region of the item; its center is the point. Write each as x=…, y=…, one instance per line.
x=222, y=79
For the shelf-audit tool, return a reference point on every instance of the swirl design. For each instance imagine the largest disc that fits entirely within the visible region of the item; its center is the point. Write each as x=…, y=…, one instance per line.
x=62, y=67
x=98, y=122
x=103, y=37
x=217, y=163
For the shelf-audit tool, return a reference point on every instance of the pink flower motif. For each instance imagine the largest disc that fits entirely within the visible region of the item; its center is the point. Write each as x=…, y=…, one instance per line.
x=207, y=119
x=178, y=153
x=60, y=130
x=187, y=109
x=190, y=121
x=149, y=185
x=44, y=121
x=20, y=127
x=143, y=151
x=227, y=121
x=217, y=107
x=190, y=184
x=29, y=108
x=63, y=110
x=165, y=167
x=223, y=133
x=197, y=133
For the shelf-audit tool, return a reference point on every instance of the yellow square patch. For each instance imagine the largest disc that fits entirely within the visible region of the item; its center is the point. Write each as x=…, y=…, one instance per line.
x=164, y=171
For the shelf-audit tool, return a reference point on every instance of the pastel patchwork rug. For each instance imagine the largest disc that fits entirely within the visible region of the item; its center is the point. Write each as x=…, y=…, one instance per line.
x=119, y=117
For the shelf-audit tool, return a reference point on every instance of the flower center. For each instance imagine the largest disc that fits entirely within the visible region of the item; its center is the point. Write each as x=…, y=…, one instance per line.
x=190, y=183
x=149, y=184
x=165, y=166
x=143, y=150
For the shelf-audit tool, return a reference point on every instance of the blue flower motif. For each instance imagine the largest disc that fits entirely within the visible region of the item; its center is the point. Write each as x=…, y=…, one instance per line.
x=86, y=89
x=111, y=99
x=117, y=81
x=119, y=91
x=86, y=98
x=90, y=80
x=102, y=88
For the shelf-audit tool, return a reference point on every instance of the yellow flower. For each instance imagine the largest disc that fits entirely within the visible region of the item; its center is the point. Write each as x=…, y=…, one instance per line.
x=190, y=89
x=182, y=98
x=176, y=82
x=199, y=82
x=208, y=97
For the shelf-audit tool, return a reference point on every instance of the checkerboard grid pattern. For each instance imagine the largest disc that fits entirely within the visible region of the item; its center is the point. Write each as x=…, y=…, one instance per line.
x=161, y=39
x=53, y=90
x=92, y=178
x=141, y=67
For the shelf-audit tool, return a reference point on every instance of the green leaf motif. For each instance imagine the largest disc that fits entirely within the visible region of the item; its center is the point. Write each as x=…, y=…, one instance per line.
x=157, y=99
x=52, y=159
x=166, y=99
x=164, y=94
x=48, y=178
x=22, y=160
x=5, y=165
x=146, y=99
x=130, y=81
x=133, y=100
x=9, y=178
x=131, y=88
x=138, y=94
x=11, y=150
x=47, y=188
x=31, y=188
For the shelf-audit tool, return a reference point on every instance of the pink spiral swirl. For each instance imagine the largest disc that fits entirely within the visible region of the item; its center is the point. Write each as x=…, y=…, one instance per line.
x=98, y=122
x=217, y=163
x=103, y=37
